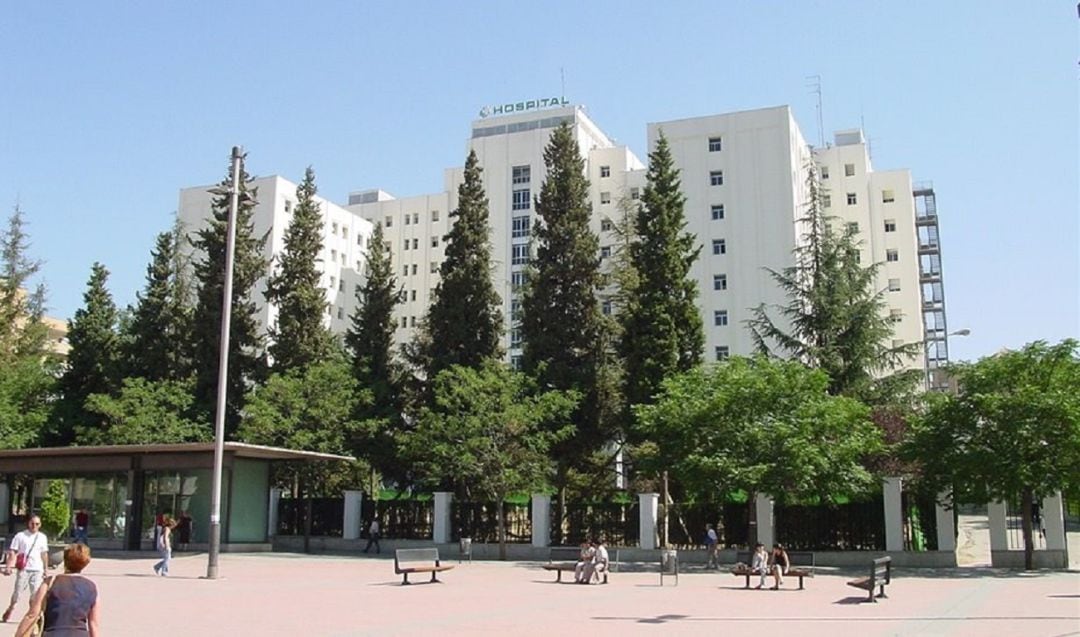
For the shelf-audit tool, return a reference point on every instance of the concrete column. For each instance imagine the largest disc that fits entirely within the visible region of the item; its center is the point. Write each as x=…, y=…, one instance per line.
x=272, y=514
x=443, y=521
x=541, y=519
x=946, y=524
x=352, y=524
x=648, y=504
x=1053, y=516
x=763, y=506
x=999, y=537
x=5, y=503
x=894, y=514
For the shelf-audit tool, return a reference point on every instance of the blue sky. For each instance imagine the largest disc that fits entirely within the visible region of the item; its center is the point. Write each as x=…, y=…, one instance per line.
x=108, y=109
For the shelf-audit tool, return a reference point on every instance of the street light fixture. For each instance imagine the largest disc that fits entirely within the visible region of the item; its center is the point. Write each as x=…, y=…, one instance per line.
x=223, y=370
x=961, y=332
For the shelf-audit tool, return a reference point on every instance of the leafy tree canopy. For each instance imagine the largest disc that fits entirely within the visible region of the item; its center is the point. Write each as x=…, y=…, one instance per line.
x=144, y=412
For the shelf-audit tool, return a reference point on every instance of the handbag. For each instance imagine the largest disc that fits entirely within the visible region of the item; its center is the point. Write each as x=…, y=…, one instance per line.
x=21, y=558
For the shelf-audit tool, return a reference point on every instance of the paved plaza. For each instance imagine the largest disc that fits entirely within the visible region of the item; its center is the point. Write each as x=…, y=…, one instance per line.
x=282, y=594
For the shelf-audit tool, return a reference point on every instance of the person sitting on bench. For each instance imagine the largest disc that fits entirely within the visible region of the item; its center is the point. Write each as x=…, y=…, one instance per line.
x=760, y=563
x=598, y=564
x=584, y=561
x=780, y=565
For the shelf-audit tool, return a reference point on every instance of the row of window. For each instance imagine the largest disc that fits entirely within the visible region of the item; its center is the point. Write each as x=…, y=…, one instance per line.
x=887, y=196
x=407, y=268
x=413, y=218
x=416, y=243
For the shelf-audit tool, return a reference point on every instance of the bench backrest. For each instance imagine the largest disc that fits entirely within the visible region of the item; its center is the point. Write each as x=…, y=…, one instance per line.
x=744, y=557
x=795, y=558
x=416, y=555
x=882, y=570
x=564, y=554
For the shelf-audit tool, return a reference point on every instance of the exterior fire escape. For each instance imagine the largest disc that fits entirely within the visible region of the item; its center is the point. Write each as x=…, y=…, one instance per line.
x=933, y=286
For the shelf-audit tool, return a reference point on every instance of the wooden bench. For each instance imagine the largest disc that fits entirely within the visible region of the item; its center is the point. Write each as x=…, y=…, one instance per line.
x=418, y=561
x=565, y=558
x=880, y=577
x=800, y=565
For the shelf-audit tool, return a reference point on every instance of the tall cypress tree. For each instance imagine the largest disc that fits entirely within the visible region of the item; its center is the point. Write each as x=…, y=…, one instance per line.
x=836, y=315
x=93, y=361
x=247, y=362
x=300, y=337
x=156, y=343
x=562, y=326
x=465, y=323
x=370, y=342
x=662, y=331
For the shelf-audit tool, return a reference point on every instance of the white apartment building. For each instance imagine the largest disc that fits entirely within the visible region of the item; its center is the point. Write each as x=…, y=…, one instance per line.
x=345, y=237
x=744, y=177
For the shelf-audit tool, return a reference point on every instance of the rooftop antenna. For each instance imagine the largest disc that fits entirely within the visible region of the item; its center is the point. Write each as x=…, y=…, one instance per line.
x=814, y=84
x=562, y=79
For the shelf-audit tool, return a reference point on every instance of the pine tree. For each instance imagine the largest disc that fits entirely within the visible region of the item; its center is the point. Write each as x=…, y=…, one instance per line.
x=93, y=363
x=300, y=337
x=465, y=323
x=247, y=363
x=562, y=326
x=370, y=342
x=837, y=318
x=156, y=337
x=662, y=331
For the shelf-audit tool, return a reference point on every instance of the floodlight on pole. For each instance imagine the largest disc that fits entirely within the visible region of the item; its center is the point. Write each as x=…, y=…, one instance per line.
x=223, y=369
x=962, y=332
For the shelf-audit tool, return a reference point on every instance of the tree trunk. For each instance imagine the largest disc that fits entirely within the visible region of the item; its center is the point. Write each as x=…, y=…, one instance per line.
x=502, y=527
x=558, y=538
x=664, y=498
x=1026, y=500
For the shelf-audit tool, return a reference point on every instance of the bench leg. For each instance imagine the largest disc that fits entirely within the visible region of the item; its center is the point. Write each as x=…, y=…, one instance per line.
x=558, y=576
x=406, y=580
x=747, y=581
x=800, y=582
x=433, y=576
x=881, y=591
x=872, y=600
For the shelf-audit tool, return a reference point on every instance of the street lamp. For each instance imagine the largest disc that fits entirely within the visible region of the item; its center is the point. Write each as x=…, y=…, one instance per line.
x=223, y=370
x=961, y=332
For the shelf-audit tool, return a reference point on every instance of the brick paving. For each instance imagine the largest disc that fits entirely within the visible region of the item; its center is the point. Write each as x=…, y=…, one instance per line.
x=283, y=594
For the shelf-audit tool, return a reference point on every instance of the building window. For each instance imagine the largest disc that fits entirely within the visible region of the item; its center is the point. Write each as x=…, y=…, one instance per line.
x=333, y=281
x=716, y=178
x=892, y=256
x=519, y=254
x=515, y=362
x=288, y=206
x=521, y=199
x=888, y=196
x=719, y=282
x=412, y=321
x=415, y=244
x=605, y=197
x=434, y=242
x=716, y=144
x=358, y=265
x=434, y=215
x=333, y=228
x=407, y=217
x=896, y=315
x=720, y=318
x=605, y=307
x=414, y=268
x=635, y=194
x=340, y=313
x=890, y=225
x=824, y=172
x=517, y=279
x=826, y=201
x=515, y=339
x=520, y=174
x=605, y=252
x=341, y=285
x=344, y=233
x=405, y=270
x=388, y=222
x=386, y=246
x=606, y=225
x=894, y=285
x=717, y=212
x=515, y=309
x=719, y=246
x=520, y=226
x=849, y=170
x=412, y=295
x=333, y=256
x=406, y=246
x=360, y=240
x=404, y=322
x=722, y=352
x=434, y=267
x=605, y=171
x=853, y=227
x=416, y=217
x=852, y=199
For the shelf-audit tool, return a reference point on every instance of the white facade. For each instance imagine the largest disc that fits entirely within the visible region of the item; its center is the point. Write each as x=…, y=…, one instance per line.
x=345, y=237
x=743, y=175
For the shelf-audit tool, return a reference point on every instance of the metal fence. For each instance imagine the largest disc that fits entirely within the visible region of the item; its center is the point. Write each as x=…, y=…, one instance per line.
x=327, y=516
x=687, y=520
x=855, y=526
x=479, y=521
x=1014, y=526
x=616, y=523
x=400, y=519
x=920, y=521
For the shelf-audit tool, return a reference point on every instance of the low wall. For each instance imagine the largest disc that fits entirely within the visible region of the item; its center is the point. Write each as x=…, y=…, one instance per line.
x=1047, y=558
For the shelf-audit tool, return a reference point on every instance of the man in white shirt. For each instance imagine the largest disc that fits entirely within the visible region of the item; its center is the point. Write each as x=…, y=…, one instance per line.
x=32, y=544
x=599, y=563
x=373, y=536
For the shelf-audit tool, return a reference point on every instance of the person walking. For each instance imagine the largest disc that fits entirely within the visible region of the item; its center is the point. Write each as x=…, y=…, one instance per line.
x=164, y=546
x=710, y=546
x=183, y=531
x=373, y=536
x=82, y=526
x=29, y=556
x=69, y=601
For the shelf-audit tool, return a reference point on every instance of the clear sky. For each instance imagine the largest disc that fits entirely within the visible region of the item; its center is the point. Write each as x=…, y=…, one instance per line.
x=108, y=109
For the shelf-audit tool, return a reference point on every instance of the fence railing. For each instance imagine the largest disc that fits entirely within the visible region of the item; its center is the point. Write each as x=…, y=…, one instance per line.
x=479, y=520
x=855, y=526
x=687, y=522
x=616, y=523
x=327, y=516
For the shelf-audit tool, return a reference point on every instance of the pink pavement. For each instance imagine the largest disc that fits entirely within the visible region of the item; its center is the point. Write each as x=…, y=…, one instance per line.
x=283, y=594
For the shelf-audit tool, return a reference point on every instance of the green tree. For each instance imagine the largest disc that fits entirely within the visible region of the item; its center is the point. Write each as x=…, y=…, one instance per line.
x=464, y=324
x=1012, y=429
x=485, y=431
x=662, y=331
x=27, y=369
x=837, y=317
x=300, y=337
x=55, y=511
x=144, y=412
x=93, y=363
x=370, y=341
x=763, y=426
x=156, y=339
x=562, y=326
x=247, y=364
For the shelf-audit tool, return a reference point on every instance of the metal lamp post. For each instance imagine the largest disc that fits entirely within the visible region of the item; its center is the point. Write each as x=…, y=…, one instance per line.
x=223, y=370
